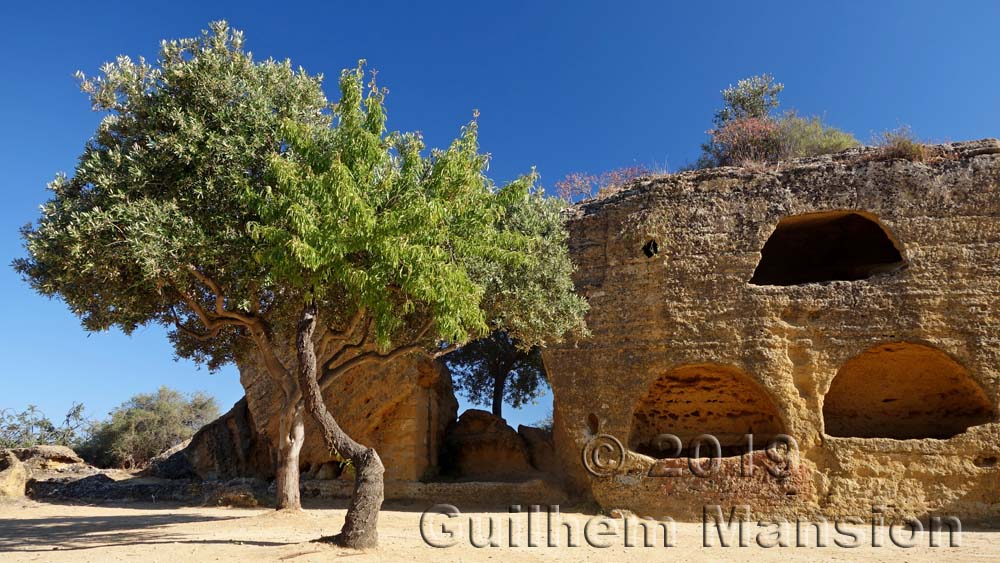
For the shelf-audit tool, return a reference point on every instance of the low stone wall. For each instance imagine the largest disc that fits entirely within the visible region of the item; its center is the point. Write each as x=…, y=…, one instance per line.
x=496, y=494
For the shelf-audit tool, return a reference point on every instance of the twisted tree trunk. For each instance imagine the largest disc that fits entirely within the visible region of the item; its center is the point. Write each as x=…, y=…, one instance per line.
x=360, y=525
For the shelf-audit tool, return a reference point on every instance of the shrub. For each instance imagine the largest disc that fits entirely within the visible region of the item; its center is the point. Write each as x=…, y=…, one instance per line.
x=746, y=133
x=746, y=140
x=901, y=143
x=578, y=185
x=31, y=427
x=808, y=136
x=146, y=425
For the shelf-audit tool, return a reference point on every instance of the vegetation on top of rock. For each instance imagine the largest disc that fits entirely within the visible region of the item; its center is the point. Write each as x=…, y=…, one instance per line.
x=901, y=143
x=579, y=185
x=745, y=131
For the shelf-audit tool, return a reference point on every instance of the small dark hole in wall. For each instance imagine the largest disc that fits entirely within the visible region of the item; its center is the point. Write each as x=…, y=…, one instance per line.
x=651, y=249
x=986, y=461
x=592, y=423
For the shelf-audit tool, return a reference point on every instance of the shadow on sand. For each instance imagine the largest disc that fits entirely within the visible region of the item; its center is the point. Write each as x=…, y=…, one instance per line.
x=72, y=533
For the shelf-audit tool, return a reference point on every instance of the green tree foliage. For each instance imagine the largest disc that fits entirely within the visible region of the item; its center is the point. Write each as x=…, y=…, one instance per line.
x=31, y=427
x=146, y=425
x=158, y=198
x=746, y=132
x=753, y=97
x=224, y=199
x=494, y=370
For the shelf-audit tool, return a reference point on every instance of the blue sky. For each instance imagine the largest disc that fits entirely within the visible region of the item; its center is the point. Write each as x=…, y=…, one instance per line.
x=563, y=86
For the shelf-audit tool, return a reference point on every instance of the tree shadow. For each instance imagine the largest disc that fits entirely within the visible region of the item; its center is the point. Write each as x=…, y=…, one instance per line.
x=69, y=533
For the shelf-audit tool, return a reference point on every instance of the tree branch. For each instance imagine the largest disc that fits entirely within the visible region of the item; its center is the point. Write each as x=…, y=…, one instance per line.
x=330, y=375
x=361, y=344
x=332, y=336
x=220, y=297
x=256, y=327
x=445, y=351
x=201, y=336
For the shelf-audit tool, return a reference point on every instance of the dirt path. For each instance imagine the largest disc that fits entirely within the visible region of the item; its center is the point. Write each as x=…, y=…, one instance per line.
x=32, y=531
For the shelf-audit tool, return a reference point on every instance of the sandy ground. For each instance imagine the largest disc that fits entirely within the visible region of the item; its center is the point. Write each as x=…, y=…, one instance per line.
x=31, y=531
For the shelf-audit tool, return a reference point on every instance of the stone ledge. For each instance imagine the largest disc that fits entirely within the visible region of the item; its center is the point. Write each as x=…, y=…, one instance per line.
x=534, y=491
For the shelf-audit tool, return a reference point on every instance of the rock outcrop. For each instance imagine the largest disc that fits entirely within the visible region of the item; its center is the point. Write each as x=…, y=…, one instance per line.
x=541, y=449
x=401, y=409
x=848, y=301
x=481, y=446
x=227, y=448
x=47, y=457
x=13, y=476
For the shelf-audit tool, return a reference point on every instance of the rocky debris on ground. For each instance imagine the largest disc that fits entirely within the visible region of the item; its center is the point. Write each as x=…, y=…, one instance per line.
x=238, y=493
x=103, y=488
x=13, y=476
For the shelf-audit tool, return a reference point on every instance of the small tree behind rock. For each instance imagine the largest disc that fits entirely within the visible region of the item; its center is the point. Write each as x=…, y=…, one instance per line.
x=494, y=370
x=146, y=425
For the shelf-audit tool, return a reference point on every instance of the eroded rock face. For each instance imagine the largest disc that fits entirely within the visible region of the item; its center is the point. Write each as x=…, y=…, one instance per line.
x=47, y=462
x=902, y=391
x=54, y=455
x=402, y=410
x=862, y=257
x=13, y=476
x=541, y=449
x=482, y=446
x=227, y=448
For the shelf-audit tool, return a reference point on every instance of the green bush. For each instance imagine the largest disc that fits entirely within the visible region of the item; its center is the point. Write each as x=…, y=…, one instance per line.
x=808, y=136
x=901, y=143
x=146, y=425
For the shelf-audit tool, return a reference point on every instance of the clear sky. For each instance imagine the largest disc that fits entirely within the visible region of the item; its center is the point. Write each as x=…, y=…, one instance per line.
x=564, y=86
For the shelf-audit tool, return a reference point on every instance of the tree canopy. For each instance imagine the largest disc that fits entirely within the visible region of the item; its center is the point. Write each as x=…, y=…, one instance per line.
x=211, y=171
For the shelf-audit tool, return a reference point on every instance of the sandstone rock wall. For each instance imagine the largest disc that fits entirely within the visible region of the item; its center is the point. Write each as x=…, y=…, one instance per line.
x=402, y=410
x=682, y=341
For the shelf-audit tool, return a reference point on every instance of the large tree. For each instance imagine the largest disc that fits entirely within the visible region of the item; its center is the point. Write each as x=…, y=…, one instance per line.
x=224, y=199
x=496, y=369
